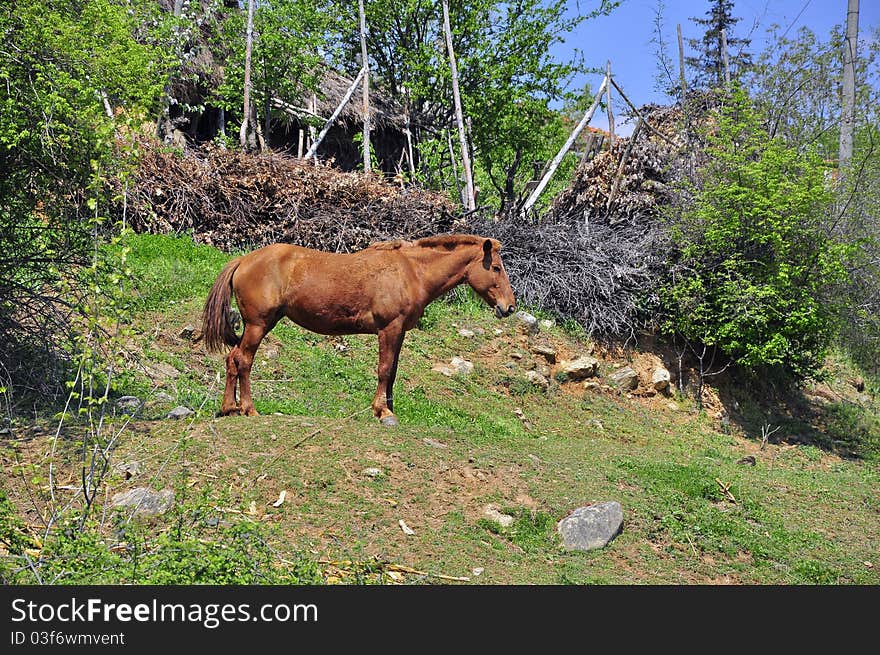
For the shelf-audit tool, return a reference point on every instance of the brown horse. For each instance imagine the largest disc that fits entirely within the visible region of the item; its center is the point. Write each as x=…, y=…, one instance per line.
x=381, y=290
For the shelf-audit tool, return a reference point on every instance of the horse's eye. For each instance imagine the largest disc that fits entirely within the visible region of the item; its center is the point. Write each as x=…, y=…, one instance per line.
x=497, y=269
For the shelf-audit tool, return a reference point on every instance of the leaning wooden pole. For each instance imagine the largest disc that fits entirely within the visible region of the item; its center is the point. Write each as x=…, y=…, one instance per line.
x=847, y=110
x=249, y=43
x=533, y=197
x=610, y=110
x=314, y=147
x=470, y=202
x=366, y=97
x=681, y=77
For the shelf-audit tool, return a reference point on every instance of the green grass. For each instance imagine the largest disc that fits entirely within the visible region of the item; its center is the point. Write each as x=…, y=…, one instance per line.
x=803, y=514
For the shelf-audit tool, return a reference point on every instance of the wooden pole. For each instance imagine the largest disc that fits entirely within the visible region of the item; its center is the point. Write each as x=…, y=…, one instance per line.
x=681, y=63
x=470, y=203
x=533, y=197
x=847, y=109
x=610, y=111
x=724, y=60
x=366, y=97
x=249, y=42
x=622, y=166
x=314, y=147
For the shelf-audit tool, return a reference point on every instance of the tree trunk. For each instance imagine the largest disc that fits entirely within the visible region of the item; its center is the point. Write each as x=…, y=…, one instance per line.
x=465, y=156
x=847, y=114
x=366, y=98
x=246, y=114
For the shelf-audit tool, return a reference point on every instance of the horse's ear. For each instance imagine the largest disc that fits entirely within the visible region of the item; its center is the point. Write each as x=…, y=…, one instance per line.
x=487, y=246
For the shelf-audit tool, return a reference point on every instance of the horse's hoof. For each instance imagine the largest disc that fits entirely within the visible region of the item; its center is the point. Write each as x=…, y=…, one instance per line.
x=235, y=411
x=389, y=421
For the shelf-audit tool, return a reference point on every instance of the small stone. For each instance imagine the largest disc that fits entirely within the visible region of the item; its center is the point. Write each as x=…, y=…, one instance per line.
x=145, y=501
x=491, y=512
x=748, y=460
x=498, y=332
x=462, y=366
x=535, y=459
x=546, y=323
x=516, y=355
x=547, y=352
x=129, y=469
x=180, y=412
x=660, y=378
x=373, y=472
x=672, y=405
x=163, y=397
x=464, y=332
x=187, y=332
x=625, y=378
x=593, y=526
x=5, y=432
x=544, y=370
x=580, y=368
x=527, y=323
x=589, y=385
x=406, y=529
x=128, y=402
x=444, y=369
x=434, y=443
x=478, y=571
x=537, y=379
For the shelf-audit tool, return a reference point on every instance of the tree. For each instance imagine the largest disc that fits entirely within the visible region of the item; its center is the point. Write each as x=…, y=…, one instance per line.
x=756, y=263
x=709, y=63
x=847, y=111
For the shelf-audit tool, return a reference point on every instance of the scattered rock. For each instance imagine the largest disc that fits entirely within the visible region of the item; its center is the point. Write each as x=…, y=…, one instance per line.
x=161, y=371
x=547, y=352
x=129, y=469
x=672, y=405
x=144, y=500
x=535, y=459
x=491, y=512
x=187, y=332
x=516, y=355
x=660, y=379
x=589, y=385
x=464, y=332
x=527, y=323
x=546, y=323
x=748, y=460
x=434, y=443
x=462, y=366
x=580, y=368
x=406, y=529
x=477, y=571
x=498, y=332
x=373, y=472
x=163, y=397
x=544, y=370
x=594, y=526
x=625, y=378
x=5, y=432
x=180, y=412
x=444, y=369
x=537, y=379
x=128, y=402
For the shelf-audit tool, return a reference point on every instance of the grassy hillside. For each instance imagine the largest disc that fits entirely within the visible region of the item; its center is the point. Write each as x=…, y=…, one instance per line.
x=695, y=511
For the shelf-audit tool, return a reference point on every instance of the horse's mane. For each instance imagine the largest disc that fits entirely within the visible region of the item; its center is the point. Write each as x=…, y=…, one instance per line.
x=448, y=241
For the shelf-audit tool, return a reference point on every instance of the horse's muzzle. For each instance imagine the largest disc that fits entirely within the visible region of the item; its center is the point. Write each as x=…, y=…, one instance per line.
x=500, y=312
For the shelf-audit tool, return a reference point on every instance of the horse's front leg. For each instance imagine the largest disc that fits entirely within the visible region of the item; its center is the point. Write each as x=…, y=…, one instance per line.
x=390, y=341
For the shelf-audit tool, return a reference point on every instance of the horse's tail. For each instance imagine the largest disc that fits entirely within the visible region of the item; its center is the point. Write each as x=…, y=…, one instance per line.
x=217, y=325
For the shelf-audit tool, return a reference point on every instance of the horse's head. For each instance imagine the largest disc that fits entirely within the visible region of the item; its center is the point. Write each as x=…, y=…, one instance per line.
x=489, y=279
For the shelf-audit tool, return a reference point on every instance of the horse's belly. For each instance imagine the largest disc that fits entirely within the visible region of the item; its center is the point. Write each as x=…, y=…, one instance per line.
x=331, y=320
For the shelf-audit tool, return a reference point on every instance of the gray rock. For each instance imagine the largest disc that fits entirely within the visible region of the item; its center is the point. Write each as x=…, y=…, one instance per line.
x=625, y=378
x=434, y=443
x=163, y=397
x=589, y=385
x=464, y=332
x=180, y=412
x=544, y=370
x=546, y=323
x=373, y=472
x=660, y=379
x=462, y=366
x=129, y=469
x=537, y=379
x=491, y=512
x=527, y=323
x=547, y=352
x=128, y=402
x=444, y=369
x=144, y=500
x=580, y=368
x=594, y=526
x=516, y=355
x=187, y=332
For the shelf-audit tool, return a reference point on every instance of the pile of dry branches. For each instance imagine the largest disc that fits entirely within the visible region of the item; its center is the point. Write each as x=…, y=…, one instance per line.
x=240, y=201
x=650, y=163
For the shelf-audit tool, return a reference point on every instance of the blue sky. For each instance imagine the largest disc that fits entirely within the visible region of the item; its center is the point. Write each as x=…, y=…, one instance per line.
x=625, y=35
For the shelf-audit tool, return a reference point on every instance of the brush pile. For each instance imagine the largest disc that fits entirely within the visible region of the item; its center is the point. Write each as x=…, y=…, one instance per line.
x=238, y=201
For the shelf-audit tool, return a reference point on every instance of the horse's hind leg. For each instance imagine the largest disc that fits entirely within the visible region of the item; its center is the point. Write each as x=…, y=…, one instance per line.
x=229, y=406
x=390, y=341
x=250, y=341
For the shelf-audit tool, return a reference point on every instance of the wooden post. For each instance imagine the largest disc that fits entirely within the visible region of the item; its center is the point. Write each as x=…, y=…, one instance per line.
x=366, y=98
x=610, y=111
x=454, y=167
x=620, y=168
x=681, y=63
x=847, y=109
x=724, y=60
x=312, y=131
x=470, y=203
x=314, y=147
x=533, y=197
x=246, y=116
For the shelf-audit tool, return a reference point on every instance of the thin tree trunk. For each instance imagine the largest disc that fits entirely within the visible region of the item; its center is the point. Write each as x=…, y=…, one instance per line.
x=610, y=110
x=366, y=98
x=317, y=142
x=724, y=59
x=681, y=77
x=246, y=114
x=465, y=156
x=847, y=114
